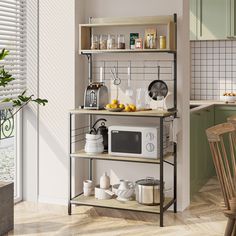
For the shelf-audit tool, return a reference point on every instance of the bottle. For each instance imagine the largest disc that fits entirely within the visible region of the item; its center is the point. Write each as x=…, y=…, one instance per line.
x=105, y=181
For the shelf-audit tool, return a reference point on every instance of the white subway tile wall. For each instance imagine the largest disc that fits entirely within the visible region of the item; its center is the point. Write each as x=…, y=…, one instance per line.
x=213, y=69
x=143, y=72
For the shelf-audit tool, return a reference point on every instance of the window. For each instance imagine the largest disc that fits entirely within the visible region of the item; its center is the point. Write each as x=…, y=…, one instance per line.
x=13, y=38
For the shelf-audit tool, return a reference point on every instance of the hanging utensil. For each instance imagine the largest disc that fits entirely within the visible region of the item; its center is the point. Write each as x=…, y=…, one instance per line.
x=157, y=88
x=116, y=79
x=129, y=91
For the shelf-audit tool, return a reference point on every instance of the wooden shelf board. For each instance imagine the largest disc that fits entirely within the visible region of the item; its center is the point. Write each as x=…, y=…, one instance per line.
x=88, y=51
x=106, y=156
x=130, y=21
x=151, y=113
x=113, y=203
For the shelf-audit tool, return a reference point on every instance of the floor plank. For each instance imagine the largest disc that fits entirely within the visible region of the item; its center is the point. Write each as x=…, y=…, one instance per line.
x=204, y=217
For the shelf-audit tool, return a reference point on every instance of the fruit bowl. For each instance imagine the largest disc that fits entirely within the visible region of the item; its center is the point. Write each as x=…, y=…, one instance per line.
x=114, y=109
x=229, y=97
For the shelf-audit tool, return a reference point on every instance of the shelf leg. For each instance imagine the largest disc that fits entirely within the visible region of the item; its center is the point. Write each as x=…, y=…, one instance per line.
x=70, y=166
x=90, y=160
x=91, y=169
x=175, y=177
x=161, y=175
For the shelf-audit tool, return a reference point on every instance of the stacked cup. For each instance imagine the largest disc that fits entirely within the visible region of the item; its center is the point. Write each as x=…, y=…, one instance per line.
x=94, y=143
x=88, y=188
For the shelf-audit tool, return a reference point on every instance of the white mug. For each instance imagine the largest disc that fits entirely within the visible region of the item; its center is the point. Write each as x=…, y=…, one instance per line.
x=88, y=184
x=88, y=192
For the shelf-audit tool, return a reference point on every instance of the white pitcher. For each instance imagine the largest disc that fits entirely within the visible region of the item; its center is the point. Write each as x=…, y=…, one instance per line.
x=125, y=191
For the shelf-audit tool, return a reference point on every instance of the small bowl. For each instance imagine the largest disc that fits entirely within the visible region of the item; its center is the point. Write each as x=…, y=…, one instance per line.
x=229, y=98
x=101, y=194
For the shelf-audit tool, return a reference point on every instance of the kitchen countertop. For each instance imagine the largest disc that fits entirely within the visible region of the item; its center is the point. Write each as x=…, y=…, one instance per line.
x=207, y=103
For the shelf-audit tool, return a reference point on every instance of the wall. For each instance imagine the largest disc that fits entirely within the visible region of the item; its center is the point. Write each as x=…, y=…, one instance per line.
x=60, y=80
x=51, y=75
x=111, y=8
x=30, y=113
x=213, y=69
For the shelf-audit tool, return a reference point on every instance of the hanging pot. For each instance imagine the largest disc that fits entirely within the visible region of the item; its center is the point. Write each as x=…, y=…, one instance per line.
x=157, y=88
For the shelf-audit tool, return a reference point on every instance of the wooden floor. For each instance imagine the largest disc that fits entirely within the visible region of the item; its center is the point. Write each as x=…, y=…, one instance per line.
x=203, y=218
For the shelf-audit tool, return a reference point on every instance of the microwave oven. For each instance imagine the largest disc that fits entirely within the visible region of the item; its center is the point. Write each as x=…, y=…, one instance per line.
x=136, y=141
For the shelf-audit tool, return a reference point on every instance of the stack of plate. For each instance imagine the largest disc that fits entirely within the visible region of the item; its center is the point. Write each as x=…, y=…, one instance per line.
x=94, y=144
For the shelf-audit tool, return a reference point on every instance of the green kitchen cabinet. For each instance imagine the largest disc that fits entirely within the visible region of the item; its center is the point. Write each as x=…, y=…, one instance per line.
x=201, y=165
x=221, y=115
x=231, y=19
x=194, y=151
x=193, y=19
x=223, y=112
x=209, y=19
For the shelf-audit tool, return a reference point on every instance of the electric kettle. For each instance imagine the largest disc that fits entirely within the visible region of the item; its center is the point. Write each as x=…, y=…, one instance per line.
x=103, y=130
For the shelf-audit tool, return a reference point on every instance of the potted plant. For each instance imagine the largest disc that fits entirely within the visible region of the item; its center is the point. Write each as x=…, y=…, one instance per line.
x=21, y=100
x=8, y=108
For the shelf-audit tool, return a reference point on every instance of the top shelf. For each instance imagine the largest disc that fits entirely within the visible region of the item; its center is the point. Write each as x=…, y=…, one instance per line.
x=127, y=51
x=151, y=113
x=129, y=21
x=164, y=25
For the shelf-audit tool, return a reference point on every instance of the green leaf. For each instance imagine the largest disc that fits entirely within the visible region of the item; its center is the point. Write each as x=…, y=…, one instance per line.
x=5, y=77
x=40, y=101
x=7, y=100
x=22, y=99
x=23, y=92
x=3, y=53
x=17, y=103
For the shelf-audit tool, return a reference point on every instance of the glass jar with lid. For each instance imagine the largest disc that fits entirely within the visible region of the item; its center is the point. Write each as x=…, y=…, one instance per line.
x=111, y=42
x=94, y=42
x=162, y=39
x=120, y=41
x=103, y=42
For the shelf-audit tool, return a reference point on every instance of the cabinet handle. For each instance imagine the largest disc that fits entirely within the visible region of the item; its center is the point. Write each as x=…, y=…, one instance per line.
x=197, y=113
x=200, y=18
x=207, y=110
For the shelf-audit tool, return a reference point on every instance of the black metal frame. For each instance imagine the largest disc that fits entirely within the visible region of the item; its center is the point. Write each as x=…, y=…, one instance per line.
x=173, y=201
x=6, y=123
x=163, y=207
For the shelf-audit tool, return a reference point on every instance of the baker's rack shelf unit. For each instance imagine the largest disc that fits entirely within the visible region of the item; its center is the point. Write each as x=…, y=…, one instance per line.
x=85, y=31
